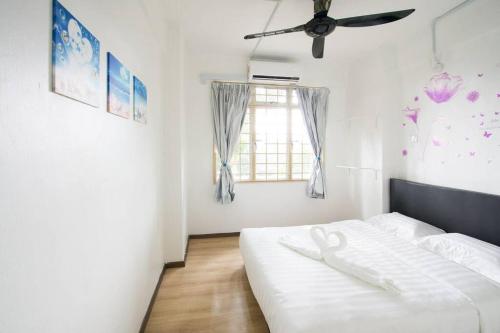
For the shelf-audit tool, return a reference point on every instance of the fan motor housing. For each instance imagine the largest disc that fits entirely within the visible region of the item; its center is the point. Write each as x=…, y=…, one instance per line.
x=320, y=27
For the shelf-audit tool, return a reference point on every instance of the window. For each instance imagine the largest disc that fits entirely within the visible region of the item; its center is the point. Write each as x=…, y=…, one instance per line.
x=274, y=144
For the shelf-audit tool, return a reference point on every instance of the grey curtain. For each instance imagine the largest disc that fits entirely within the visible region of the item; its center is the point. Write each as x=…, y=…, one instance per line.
x=313, y=103
x=229, y=106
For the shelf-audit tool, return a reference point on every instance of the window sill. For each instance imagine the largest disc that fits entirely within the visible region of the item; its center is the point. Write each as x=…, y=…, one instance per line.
x=269, y=181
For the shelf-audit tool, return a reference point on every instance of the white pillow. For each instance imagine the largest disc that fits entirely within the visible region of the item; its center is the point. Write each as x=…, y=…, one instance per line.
x=403, y=226
x=470, y=252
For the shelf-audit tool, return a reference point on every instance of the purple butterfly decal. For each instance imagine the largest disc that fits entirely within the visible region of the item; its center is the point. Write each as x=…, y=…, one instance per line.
x=497, y=113
x=480, y=75
x=487, y=134
x=436, y=142
x=482, y=123
x=472, y=154
x=482, y=114
x=416, y=98
x=404, y=152
x=498, y=95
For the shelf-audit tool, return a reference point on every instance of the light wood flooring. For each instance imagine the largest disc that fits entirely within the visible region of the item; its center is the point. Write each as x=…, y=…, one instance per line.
x=210, y=294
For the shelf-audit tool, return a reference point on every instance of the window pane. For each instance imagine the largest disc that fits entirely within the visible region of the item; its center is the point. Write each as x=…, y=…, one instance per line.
x=260, y=98
x=273, y=130
x=272, y=158
x=272, y=176
x=260, y=158
x=260, y=91
x=297, y=159
x=245, y=138
x=272, y=168
x=272, y=99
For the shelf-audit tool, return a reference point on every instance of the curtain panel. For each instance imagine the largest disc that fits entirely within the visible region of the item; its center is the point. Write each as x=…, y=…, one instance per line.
x=313, y=103
x=229, y=107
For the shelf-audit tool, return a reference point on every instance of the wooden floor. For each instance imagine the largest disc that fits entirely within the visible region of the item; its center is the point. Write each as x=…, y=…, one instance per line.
x=210, y=294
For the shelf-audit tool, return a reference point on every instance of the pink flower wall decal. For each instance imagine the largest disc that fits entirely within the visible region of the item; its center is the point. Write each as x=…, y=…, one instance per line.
x=487, y=134
x=412, y=114
x=443, y=87
x=473, y=96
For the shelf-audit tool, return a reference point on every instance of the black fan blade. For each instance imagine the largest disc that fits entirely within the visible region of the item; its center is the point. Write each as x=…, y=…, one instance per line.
x=277, y=32
x=375, y=19
x=318, y=47
x=321, y=7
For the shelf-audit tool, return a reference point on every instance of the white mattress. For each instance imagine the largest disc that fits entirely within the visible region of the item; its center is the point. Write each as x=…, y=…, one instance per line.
x=298, y=294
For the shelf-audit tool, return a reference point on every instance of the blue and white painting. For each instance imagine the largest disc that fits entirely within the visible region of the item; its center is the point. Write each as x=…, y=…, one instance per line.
x=140, y=101
x=75, y=58
x=118, y=88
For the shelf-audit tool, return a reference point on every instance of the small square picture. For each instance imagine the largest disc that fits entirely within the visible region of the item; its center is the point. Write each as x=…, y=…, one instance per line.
x=118, y=88
x=140, y=101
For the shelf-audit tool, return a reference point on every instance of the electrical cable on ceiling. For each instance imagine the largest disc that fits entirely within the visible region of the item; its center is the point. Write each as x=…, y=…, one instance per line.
x=437, y=63
x=268, y=23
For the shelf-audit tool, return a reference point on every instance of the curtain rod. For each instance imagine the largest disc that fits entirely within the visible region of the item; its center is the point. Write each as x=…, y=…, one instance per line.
x=269, y=84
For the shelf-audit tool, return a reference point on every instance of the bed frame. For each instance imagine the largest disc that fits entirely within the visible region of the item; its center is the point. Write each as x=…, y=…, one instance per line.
x=471, y=213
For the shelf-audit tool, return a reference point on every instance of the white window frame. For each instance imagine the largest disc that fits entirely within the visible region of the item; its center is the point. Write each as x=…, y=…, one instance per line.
x=252, y=106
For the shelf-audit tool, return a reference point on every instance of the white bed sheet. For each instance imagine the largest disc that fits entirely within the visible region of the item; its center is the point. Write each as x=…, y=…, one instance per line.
x=300, y=295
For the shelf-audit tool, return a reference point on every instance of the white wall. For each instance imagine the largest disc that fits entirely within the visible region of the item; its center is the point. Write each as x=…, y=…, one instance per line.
x=256, y=204
x=387, y=81
x=84, y=194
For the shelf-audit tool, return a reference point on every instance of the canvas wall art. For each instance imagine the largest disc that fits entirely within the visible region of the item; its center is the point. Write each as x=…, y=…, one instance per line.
x=140, y=101
x=75, y=58
x=118, y=88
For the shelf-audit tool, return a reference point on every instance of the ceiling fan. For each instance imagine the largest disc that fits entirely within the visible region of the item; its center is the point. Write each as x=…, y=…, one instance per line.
x=322, y=25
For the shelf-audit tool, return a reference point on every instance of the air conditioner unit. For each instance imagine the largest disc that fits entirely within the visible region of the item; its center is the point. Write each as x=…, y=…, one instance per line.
x=273, y=72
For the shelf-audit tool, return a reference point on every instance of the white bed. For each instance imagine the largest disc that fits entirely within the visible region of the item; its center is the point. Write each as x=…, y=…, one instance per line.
x=299, y=295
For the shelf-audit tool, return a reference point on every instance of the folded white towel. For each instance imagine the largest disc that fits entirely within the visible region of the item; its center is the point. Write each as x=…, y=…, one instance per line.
x=350, y=260
x=301, y=246
x=323, y=239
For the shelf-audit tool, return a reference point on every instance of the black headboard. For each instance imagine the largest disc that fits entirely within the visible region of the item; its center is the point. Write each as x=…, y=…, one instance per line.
x=470, y=213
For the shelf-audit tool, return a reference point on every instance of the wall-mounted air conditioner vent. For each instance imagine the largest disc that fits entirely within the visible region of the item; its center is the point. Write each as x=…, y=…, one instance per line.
x=271, y=71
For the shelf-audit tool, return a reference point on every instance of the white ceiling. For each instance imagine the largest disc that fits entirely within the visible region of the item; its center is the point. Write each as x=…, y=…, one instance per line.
x=219, y=26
